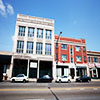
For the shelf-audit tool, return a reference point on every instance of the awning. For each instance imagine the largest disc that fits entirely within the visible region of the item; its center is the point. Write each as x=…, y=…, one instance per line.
x=97, y=65
x=91, y=65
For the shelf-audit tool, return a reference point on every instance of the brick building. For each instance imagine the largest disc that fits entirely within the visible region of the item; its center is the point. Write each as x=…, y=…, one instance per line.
x=70, y=57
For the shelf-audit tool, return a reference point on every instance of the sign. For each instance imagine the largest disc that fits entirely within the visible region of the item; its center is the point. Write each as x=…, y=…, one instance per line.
x=33, y=65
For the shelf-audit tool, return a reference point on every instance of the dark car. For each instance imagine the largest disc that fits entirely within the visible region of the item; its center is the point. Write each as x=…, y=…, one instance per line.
x=83, y=79
x=45, y=78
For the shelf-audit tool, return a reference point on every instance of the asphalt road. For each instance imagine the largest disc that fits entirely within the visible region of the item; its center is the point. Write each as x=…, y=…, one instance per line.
x=50, y=91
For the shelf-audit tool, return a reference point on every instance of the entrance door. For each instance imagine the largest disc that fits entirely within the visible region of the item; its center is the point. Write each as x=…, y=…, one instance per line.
x=59, y=71
x=66, y=71
x=72, y=73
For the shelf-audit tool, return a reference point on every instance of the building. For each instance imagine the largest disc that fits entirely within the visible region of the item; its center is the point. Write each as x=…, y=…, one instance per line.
x=70, y=57
x=94, y=63
x=33, y=48
x=5, y=62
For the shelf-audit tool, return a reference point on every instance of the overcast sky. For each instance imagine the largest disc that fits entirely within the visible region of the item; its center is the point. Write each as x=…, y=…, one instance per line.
x=75, y=18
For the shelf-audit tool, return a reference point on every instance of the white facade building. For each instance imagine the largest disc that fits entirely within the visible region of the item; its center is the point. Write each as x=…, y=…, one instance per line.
x=33, y=48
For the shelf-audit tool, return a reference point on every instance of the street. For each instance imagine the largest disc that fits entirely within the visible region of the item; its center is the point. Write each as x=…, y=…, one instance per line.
x=50, y=91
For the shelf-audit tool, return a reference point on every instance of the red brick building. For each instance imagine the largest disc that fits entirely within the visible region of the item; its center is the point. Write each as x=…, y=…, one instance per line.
x=70, y=56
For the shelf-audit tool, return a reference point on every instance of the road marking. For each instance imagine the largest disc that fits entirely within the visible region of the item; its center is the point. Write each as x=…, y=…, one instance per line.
x=95, y=89
x=82, y=89
x=46, y=89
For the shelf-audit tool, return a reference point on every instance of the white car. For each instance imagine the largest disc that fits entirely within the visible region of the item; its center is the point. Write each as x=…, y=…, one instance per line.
x=19, y=78
x=64, y=79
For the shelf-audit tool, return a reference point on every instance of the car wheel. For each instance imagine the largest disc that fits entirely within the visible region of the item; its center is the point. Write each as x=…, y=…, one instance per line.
x=69, y=81
x=59, y=81
x=13, y=80
x=24, y=81
x=88, y=81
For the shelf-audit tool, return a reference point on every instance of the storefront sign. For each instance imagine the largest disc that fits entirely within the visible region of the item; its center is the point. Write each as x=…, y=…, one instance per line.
x=33, y=65
x=98, y=65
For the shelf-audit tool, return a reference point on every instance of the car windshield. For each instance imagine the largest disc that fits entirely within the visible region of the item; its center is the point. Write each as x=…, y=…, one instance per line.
x=64, y=77
x=20, y=75
x=46, y=76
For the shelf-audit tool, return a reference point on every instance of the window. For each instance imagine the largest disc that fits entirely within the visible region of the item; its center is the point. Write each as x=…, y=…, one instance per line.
x=39, y=48
x=21, y=31
x=20, y=46
x=63, y=46
x=84, y=49
x=71, y=60
x=89, y=59
x=71, y=51
x=64, y=57
x=48, y=34
x=95, y=59
x=47, y=49
x=39, y=33
x=84, y=58
x=29, y=47
x=78, y=48
x=78, y=58
x=30, y=32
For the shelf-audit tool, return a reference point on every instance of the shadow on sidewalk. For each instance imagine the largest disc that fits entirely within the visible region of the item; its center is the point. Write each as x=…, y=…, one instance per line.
x=53, y=94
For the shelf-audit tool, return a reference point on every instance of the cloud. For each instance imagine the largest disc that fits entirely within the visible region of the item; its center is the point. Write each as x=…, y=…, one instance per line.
x=6, y=9
x=10, y=9
x=2, y=9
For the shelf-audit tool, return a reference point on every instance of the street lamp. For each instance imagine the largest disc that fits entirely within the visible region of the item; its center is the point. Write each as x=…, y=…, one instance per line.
x=57, y=48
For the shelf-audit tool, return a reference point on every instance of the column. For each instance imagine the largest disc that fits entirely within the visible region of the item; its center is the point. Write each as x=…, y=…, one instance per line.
x=38, y=68
x=96, y=72
x=11, y=67
x=28, y=68
x=54, y=70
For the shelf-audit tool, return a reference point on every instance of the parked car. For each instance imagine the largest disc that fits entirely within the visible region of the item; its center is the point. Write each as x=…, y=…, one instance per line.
x=20, y=78
x=64, y=79
x=45, y=78
x=83, y=79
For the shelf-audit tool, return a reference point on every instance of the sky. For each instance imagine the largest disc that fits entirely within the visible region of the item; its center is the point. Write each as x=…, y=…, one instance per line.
x=74, y=18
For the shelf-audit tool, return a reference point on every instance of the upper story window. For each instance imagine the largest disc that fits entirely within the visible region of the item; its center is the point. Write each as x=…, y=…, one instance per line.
x=95, y=59
x=39, y=48
x=21, y=31
x=71, y=60
x=39, y=33
x=30, y=32
x=84, y=58
x=29, y=47
x=64, y=57
x=78, y=58
x=84, y=49
x=78, y=48
x=64, y=46
x=71, y=51
x=20, y=47
x=89, y=59
x=48, y=34
x=47, y=49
